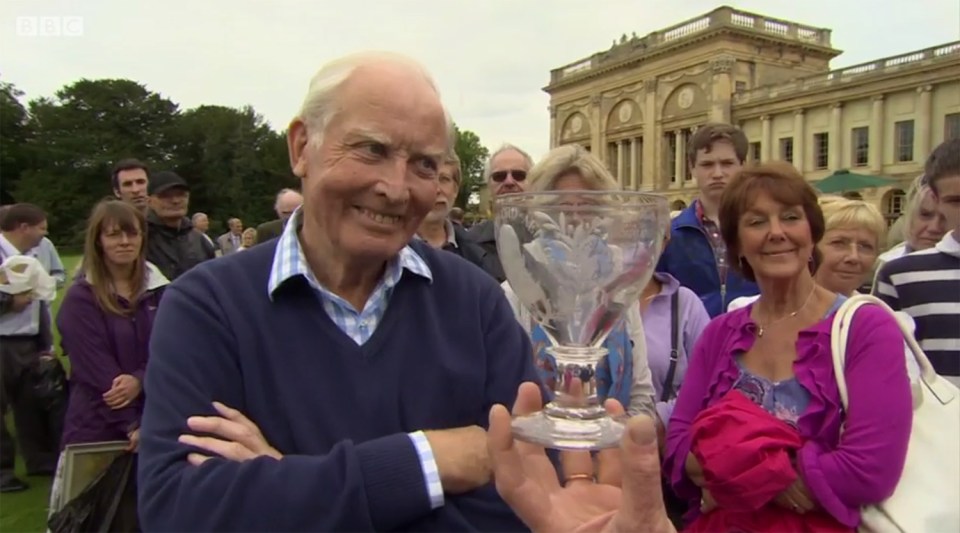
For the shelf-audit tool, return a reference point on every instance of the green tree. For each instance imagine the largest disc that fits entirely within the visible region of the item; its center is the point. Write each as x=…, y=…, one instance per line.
x=15, y=133
x=473, y=155
x=234, y=162
x=78, y=134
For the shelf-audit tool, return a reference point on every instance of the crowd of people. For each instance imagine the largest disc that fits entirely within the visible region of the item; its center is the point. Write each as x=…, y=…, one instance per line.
x=234, y=365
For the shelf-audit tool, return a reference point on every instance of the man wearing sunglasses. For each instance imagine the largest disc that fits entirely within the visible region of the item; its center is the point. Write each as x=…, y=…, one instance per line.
x=505, y=172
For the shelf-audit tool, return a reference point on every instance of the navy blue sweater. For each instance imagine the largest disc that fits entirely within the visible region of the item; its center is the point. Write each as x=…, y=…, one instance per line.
x=443, y=354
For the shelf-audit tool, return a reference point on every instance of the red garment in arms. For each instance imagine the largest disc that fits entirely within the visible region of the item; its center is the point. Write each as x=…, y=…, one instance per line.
x=745, y=453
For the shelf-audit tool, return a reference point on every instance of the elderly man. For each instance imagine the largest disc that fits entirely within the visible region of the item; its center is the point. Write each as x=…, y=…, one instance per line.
x=172, y=245
x=437, y=229
x=201, y=225
x=231, y=241
x=288, y=200
x=505, y=172
x=361, y=391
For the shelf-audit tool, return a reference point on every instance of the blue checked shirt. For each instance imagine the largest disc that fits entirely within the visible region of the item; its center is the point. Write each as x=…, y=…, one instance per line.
x=289, y=262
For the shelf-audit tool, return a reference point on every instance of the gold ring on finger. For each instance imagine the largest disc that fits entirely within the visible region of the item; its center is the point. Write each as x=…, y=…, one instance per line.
x=578, y=477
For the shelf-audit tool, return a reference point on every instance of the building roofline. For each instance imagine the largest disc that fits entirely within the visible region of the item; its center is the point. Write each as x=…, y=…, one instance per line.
x=720, y=21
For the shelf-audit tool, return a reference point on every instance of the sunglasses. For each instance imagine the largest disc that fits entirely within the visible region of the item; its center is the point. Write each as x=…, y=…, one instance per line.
x=501, y=175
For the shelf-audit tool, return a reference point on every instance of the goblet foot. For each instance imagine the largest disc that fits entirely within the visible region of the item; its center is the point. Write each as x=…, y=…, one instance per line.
x=569, y=434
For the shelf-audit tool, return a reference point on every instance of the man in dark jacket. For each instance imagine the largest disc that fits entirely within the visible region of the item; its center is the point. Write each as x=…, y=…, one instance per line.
x=697, y=254
x=288, y=200
x=172, y=245
x=505, y=172
x=438, y=230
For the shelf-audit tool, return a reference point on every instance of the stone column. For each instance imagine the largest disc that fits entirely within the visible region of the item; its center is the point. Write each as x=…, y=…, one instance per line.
x=634, y=174
x=598, y=143
x=765, y=141
x=835, y=142
x=722, y=88
x=799, y=135
x=921, y=141
x=680, y=156
x=651, y=134
x=620, y=176
x=875, y=147
x=554, y=134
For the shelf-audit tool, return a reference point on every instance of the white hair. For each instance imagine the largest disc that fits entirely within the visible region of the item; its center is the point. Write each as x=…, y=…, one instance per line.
x=506, y=147
x=196, y=216
x=282, y=192
x=320, y=106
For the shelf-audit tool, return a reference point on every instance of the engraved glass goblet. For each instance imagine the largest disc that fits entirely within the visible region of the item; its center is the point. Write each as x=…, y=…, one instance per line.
x=577, y=260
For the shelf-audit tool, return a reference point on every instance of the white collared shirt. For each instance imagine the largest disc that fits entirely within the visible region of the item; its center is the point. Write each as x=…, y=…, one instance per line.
x=26, y=322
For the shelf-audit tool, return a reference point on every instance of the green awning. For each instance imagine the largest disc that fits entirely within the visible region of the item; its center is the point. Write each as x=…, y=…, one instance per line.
x=843, y=180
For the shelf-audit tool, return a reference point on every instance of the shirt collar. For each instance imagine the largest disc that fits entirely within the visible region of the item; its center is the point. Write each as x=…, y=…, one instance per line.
x=451, y=235
x=154, y=278
x=289, y=261
x=7, y=247
x=949, y=244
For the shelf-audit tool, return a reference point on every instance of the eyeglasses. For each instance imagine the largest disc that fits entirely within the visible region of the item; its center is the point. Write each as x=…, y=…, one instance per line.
x=501, y=175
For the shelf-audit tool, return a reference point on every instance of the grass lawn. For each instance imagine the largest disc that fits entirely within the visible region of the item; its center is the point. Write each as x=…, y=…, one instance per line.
x=27, y=511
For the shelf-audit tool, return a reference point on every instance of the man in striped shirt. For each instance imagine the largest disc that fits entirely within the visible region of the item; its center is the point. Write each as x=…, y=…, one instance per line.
x=926, y=284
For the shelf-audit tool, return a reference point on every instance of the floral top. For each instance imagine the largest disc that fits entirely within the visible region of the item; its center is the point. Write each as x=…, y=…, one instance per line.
x=786, y=399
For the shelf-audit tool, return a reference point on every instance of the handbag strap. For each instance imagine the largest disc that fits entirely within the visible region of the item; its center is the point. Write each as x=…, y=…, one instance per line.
x=840, y=330
x=674, y=346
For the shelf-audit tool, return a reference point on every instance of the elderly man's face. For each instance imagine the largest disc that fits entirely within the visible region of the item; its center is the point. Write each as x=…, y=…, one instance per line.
x=171, y=204
x=508, y=172
x=287, y=204
x=370, y=183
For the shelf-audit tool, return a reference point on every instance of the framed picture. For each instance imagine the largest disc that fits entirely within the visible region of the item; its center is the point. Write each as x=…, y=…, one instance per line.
x=82, y=463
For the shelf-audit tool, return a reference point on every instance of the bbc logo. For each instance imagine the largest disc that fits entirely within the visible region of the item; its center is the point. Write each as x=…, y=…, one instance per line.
x=49, y=26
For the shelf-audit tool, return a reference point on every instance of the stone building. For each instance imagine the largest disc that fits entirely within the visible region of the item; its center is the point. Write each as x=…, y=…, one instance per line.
x=637, y=103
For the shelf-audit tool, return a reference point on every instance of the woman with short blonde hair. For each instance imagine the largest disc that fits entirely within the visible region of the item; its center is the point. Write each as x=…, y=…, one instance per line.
x=855, y=231
x=248, y=238
x=566, y=160
x=919, y=227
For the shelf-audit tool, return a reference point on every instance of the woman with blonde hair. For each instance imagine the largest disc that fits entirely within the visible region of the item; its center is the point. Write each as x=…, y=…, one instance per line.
x=921, y=225
x=248, y=239
x=855, y=231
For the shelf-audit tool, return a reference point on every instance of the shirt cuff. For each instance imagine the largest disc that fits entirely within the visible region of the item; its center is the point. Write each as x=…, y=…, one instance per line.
x=431, y=474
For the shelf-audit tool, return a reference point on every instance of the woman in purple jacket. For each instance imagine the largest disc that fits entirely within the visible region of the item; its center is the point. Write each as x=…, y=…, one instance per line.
x=105, y=321
x=777, y=353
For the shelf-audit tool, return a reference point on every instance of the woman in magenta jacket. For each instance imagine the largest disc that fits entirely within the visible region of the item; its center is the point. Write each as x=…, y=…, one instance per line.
x=777, y=353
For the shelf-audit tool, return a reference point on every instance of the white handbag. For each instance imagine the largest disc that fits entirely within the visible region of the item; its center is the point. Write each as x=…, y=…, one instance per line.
x=927, y=497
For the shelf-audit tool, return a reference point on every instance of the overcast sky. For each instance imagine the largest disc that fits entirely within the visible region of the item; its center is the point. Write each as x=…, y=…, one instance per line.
x=490, y=57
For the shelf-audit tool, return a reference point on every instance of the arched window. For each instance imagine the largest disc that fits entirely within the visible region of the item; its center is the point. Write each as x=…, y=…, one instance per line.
x=893, y=203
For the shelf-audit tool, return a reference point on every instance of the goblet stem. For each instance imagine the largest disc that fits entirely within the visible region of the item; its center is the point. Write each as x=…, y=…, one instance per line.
x=575, y=389
x=574, y=419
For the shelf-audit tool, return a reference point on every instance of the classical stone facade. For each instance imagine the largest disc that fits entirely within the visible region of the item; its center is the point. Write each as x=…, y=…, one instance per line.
x=636, y=104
